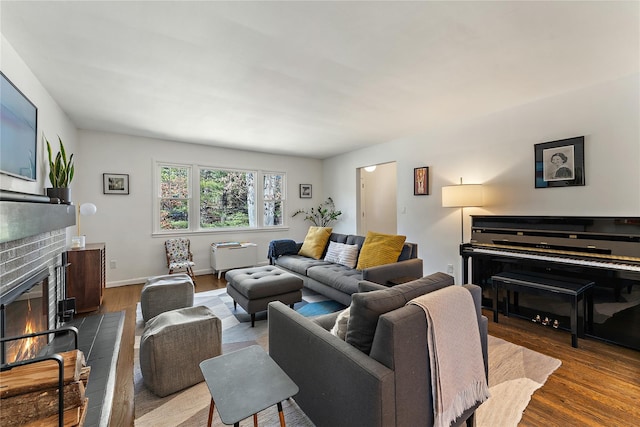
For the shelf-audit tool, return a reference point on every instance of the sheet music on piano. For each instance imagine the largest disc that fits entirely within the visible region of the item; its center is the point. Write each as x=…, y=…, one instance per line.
x=603, y=249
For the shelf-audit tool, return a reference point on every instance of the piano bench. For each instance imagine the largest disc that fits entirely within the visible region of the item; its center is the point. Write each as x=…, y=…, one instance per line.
x=538, y=284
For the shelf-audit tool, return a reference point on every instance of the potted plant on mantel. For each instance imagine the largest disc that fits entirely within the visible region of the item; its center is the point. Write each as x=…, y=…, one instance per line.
x=60, y=174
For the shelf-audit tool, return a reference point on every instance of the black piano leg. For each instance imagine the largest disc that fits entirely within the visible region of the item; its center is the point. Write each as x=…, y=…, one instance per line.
x=495, y=302
x=589, y=310
x=574, y=322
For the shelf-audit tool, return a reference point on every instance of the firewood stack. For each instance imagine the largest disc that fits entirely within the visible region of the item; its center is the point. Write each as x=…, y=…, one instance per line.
x=29, y=393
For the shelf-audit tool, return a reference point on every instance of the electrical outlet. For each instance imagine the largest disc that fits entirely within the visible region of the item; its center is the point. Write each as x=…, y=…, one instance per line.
x=450, y=268
x=113, y=264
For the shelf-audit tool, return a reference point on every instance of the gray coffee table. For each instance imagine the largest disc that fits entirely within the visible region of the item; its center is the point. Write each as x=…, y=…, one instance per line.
x=245, y=382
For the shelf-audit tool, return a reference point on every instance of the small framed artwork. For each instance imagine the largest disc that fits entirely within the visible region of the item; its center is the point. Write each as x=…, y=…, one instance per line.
x=560, y=163
x=421, y=181
x=305, y=191
x=115, y=183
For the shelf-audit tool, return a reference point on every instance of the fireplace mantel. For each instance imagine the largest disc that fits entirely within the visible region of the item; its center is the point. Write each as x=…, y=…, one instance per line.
x=24, y=219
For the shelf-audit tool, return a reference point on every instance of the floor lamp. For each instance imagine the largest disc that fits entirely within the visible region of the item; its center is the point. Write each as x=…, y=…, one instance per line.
x=461, y=196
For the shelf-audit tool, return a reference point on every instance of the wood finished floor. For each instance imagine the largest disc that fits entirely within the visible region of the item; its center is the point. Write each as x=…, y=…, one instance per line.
x=598, y=384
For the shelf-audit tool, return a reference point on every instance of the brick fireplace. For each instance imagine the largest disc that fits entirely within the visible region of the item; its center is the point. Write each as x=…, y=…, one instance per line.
x=32, y=243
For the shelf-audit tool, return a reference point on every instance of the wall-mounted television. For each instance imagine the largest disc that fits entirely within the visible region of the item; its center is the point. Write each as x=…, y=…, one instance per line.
x=18, y=132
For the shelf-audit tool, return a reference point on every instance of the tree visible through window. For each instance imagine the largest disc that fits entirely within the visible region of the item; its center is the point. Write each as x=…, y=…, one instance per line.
x=273, y=196
x=174, y=197
x=227, y=198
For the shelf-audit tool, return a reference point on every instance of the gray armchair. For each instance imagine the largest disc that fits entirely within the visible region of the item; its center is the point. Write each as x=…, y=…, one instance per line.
x=341, y=385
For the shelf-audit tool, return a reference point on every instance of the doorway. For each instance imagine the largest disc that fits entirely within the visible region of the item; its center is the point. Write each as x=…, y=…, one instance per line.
x=377, y=199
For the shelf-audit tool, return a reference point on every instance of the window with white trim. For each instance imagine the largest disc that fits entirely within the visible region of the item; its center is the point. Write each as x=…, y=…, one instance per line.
x=221, y=199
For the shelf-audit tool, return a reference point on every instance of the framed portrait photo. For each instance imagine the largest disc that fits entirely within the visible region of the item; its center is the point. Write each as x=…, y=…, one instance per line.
x=421, y=181
x=305, y=191
x=560, y=163
x=115, y=183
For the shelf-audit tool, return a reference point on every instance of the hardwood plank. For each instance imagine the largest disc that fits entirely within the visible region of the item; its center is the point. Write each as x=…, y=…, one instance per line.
x=596, y=385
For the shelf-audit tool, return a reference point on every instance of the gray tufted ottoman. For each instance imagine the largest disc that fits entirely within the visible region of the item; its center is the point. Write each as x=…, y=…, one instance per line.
x=254, y=288
x=173, y=345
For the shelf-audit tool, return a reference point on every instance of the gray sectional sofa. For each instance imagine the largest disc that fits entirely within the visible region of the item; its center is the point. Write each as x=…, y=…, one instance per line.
x=381, y=383
x=337, y=281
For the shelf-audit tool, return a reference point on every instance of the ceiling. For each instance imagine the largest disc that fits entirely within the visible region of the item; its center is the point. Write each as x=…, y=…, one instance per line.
x=313, y=79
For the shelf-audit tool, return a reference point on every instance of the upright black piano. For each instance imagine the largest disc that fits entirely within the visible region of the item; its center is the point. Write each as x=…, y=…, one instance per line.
x=605, y=250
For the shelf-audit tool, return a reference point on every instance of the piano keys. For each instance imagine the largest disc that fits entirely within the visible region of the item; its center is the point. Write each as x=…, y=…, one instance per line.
x=603, y=249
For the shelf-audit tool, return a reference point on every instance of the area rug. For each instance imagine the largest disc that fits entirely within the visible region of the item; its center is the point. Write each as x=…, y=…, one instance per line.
x=515, y=373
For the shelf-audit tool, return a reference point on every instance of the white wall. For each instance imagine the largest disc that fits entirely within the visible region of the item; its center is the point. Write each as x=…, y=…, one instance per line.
x=124, y=222
x=52, y=121
x=498, y=151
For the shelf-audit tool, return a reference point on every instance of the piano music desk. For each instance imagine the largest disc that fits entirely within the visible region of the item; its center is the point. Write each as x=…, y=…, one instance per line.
x=570, y=291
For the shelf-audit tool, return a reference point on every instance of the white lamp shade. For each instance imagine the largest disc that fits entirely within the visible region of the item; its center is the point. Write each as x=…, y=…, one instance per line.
x=463, y=195
x=370, y=168
x=87, y=209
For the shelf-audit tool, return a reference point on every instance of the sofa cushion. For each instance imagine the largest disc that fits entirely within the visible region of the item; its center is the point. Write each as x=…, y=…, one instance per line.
x=407, y=252
x=315, y=242
x=341, y=253
x=380, y=249
x=298, y=263
x=338, y=238
x=366, y=307
x=337, y=276
x=352, y=239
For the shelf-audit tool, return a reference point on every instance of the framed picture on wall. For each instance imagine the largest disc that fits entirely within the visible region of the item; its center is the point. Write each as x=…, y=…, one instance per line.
x=305, y=191
x=560, y=163
x=421, y=181
x=115, y=183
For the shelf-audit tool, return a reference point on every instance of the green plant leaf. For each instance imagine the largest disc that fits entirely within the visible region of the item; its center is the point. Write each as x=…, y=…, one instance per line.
x=61, y=171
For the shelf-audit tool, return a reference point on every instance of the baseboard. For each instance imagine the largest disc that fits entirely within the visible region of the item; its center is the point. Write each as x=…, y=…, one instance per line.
x=141, y=280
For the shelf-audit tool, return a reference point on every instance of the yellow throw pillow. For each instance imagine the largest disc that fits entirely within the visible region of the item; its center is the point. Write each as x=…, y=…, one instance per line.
x=380, y=249
x=315, y=242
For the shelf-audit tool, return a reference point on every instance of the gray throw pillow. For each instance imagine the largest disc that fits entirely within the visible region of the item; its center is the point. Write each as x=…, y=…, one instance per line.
x=366, y=307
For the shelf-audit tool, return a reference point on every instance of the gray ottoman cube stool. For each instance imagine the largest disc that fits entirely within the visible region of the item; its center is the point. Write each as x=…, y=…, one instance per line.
x=164, y=293
x=254, y=288
x=173, y=345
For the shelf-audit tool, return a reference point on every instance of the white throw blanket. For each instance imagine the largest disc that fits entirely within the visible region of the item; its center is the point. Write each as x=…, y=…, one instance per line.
x=458, y=379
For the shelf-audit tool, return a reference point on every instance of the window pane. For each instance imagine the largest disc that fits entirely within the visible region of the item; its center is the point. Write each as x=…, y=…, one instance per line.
x=273, y=213
x=227, y=198
x=174, y=214
x=174, y=182
x=272, y=187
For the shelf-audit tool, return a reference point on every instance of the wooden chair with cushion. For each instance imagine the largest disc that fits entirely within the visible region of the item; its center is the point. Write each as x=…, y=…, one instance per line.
x=179, y=255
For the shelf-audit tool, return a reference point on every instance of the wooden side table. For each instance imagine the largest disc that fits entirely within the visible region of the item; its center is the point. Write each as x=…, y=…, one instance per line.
x=245, y=382
x=86, y=276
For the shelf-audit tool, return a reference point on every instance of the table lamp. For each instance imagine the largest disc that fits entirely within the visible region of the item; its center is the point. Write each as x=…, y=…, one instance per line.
x=85, y=209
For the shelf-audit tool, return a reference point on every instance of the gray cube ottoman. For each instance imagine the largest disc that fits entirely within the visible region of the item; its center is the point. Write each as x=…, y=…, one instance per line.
x=254, y=288
x=173, y=345
x=164, y=293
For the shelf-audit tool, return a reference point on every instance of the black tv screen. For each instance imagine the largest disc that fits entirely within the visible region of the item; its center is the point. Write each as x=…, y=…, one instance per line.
x=18, y=132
